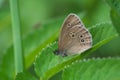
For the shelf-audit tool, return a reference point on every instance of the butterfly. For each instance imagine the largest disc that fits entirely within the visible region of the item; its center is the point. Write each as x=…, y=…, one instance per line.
x=74, y=37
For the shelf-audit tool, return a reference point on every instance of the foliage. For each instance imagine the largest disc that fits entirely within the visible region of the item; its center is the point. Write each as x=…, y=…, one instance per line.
x=41, y=21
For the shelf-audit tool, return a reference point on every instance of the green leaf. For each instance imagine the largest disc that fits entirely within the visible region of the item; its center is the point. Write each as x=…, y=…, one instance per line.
x=57, y=76
x=115, y=16
x=37, y=40
x=25, y=76
x=47, y=64
x=115, y=13
x=98, y=14
x=93, y=69
x=102, y=31
x=114, y=4
x=46, y=59
x=7, y=65
x=3, y=76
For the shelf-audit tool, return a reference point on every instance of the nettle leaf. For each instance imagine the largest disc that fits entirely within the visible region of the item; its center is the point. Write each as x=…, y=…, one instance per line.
x=47, y=60
x=57, y=76
x=47, y=64
x=25, y=76
x=93, y=69
x=102, y=31
x=115, y=13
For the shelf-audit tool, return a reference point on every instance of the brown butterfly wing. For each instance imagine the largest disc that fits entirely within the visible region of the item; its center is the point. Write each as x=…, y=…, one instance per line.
x=81, y=42
x=74, y=37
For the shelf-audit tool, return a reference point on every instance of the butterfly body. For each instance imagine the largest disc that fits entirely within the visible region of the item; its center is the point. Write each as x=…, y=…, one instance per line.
x=74, y=37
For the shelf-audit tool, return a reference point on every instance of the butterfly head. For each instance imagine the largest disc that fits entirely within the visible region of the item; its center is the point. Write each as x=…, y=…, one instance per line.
x=59, y=52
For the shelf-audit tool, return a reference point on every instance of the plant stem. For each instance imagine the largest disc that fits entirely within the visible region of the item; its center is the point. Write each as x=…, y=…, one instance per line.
x=17, y=41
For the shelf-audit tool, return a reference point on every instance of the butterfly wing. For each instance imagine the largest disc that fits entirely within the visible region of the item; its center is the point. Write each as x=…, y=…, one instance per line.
x=74, y=37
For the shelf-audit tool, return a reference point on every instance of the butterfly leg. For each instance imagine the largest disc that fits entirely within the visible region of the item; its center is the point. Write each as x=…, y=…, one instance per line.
x=63, y=54
x=56, y=52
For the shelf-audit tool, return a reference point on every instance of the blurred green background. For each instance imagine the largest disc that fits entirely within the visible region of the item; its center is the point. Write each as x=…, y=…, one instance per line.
x=39, y=19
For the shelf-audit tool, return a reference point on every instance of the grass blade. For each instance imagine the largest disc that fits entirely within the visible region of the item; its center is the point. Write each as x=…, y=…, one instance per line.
x=18, y=51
